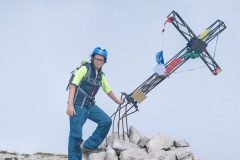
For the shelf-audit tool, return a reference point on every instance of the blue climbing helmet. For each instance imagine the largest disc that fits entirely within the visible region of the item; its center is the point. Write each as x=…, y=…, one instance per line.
x=101, y=52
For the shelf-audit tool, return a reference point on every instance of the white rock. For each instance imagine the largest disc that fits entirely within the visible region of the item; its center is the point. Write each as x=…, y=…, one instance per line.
x=194, y=157
x=189, y=158
x=134, y=154
x=184, y=155
x=164, y=155
x=159, y=142
x=182, y=152
x=181, y=143
x=97, y=156
x=134, y=135
x=110, y=154
x=120, y=145
x=114, y=136
x=143, y=141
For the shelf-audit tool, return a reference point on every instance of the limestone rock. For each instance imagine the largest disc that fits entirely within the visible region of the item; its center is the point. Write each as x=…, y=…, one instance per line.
x=120, y=145
x=164, y=155
x=133, y=153
x=110, y=154
x=159, y=142
x=97, y=156
x=134, y=135
x=114, y=136
x=132, y=147
x=181, y=143
x=143, y=141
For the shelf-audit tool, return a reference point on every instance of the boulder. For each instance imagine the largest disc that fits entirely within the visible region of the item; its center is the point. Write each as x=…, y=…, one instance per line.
x=181, y=143
x=133, y=153
x=110, y=154
x=97, y=156
x=120, y=145
x=134, y=135
x=143, y=141
x=158, y=143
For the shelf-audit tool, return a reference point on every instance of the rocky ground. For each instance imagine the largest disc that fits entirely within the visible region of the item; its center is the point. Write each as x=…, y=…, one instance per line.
x=4, y=155
x=131, y=146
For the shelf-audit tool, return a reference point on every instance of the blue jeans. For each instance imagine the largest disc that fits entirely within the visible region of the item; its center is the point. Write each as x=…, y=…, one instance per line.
x=95, y=114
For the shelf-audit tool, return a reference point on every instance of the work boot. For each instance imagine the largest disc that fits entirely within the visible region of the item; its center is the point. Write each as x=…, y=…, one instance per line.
x=87, y=150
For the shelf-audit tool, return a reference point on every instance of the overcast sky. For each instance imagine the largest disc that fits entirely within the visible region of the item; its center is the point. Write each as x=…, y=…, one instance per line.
x=41, y=42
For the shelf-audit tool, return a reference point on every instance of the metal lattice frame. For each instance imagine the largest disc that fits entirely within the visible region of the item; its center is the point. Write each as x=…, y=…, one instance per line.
x=194, y=44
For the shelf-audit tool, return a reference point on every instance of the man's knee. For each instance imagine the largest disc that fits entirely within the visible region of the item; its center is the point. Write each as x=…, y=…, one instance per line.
x=107, y=122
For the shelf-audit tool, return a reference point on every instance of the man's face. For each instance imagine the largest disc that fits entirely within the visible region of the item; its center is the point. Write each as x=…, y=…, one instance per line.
x=98, y=61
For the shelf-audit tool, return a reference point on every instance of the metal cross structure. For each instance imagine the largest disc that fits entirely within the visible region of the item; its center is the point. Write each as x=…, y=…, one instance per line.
x=196, y=47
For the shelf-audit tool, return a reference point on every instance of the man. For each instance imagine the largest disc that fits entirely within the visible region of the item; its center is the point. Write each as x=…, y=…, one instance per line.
x=81, y=105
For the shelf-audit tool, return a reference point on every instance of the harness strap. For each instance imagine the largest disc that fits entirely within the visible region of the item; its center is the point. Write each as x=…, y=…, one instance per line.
x=94, y=82
x=83, y=102
x=85, y=96
x=89, y=71
x=85, y=93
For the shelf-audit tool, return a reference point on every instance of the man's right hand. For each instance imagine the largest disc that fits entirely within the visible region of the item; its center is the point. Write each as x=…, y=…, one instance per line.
x=70, y=110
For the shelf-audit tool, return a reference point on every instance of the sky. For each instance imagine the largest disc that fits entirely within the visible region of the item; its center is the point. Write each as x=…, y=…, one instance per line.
x=41, y=42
